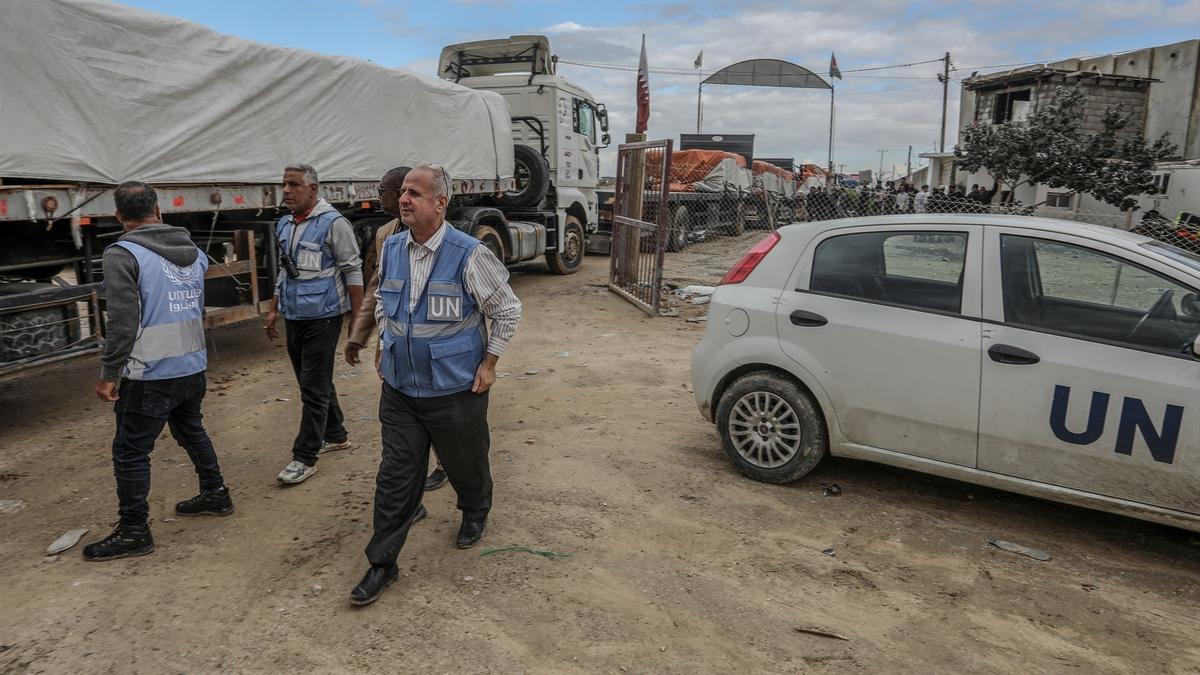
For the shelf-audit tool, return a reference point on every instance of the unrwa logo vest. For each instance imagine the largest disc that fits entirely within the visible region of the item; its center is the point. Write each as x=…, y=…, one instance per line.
x=436, y=349
x=317, y=292
x=170, y=339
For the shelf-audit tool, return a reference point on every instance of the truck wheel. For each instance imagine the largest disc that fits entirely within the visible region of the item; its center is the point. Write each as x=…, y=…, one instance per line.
x=680, y=229
x=531, y=175
x=491, y=238
x=37, y=332
x=570, y=254
x=771, y=428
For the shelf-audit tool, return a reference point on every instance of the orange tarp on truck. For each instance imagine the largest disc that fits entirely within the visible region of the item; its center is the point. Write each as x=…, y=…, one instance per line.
x=704, y=170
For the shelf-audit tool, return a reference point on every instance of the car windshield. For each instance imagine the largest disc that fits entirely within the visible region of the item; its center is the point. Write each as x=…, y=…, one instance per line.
x=1175, y=253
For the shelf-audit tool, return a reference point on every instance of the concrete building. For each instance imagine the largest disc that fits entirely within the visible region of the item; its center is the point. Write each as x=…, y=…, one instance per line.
x=1159, y=87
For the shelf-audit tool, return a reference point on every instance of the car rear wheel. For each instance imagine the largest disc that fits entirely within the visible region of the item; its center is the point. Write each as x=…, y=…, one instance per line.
x=771, y=428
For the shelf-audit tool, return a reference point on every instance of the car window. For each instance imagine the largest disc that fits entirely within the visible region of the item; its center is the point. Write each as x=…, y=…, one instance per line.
x=1087, y=293
x=921, y=270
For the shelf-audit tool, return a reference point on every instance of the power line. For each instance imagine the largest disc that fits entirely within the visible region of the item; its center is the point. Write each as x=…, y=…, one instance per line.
x=693, y=72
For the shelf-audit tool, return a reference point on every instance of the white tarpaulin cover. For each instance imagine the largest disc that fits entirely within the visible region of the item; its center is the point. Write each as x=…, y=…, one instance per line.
x=97, y=92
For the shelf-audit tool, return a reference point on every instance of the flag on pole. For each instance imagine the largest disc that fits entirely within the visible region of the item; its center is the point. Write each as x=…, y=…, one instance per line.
x=833, y=69
x=699, y=60
x=643, y=91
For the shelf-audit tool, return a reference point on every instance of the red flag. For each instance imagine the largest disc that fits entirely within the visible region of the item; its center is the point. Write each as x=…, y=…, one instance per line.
x=643, y=92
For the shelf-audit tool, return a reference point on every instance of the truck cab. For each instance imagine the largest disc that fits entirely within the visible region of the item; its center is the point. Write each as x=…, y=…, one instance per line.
x=558, y=128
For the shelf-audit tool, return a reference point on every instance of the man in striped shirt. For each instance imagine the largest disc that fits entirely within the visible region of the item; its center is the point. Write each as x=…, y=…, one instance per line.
x=438, y=291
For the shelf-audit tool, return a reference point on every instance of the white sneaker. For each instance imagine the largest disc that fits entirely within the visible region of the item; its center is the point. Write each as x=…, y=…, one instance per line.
x=326, y=446
x=296, y=472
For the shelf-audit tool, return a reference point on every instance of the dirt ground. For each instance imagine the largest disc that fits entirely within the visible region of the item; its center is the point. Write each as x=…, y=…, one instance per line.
x=677, y=563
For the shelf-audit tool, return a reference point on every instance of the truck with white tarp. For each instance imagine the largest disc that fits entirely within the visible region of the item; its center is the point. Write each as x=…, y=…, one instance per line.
x=96, y=93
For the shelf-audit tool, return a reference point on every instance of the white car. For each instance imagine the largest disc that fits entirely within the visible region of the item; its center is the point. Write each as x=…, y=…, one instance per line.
x=1045, y=357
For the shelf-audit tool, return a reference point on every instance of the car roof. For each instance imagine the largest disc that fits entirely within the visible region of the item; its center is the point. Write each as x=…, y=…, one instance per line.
x=1087, y=230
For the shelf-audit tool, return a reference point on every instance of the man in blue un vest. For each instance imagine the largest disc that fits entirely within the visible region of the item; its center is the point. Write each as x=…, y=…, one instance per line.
x=438, y=288
x=153, y=366
x=323, y=281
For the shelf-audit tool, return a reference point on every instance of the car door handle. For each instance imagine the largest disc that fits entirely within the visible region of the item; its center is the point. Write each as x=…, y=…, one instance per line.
x=1011, y=355
x=803, y=318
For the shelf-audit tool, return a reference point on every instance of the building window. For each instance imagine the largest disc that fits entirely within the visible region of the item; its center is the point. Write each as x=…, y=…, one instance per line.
x=1061, y=200
x=1010, y=105
x=1161, y=182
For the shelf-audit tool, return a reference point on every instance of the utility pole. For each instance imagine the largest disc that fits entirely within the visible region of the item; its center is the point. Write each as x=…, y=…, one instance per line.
x=908, y=176
x=881, y=152
x=945, y=78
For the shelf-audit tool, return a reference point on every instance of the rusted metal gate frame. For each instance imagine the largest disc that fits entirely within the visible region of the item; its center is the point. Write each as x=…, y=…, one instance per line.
x=627, y=215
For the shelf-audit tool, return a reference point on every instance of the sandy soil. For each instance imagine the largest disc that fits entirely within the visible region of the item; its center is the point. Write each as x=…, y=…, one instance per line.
x=677, y=563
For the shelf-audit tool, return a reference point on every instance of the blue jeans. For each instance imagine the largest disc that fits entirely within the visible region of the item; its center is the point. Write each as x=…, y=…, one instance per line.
x=143, y=409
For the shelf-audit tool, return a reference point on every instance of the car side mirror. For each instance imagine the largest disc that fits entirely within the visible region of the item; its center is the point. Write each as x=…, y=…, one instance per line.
x=602, y=115
x=605, y=141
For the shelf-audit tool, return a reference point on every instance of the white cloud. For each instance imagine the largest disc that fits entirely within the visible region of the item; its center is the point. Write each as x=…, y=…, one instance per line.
x=564, y=27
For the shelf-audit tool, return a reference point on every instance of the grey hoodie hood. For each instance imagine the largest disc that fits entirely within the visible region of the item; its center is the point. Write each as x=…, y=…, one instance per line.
x=172, y=243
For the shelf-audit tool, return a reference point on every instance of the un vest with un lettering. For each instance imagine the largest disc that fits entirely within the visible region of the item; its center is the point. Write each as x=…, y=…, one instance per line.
x=317, y=292
x=436, y=349
x=170, y=339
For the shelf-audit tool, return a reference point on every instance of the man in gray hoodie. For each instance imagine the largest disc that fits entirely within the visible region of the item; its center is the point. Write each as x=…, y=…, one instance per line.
x=321, y=281
x=153, y=366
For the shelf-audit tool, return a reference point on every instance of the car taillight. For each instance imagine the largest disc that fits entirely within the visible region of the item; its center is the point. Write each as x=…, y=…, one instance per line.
x=738, y=273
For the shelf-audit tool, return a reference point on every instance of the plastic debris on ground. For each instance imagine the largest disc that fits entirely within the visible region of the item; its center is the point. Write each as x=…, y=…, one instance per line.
x=820, y=632
x=525, y=549
x=1036, y=554
x=11, y=505
x=697, y=295
x=66, y=541
x=830, y=490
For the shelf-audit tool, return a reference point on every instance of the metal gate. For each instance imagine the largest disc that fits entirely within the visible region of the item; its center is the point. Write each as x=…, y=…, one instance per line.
x=640, y=220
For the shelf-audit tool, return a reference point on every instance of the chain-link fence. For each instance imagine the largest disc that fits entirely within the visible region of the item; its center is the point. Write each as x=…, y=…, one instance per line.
x=709, y=231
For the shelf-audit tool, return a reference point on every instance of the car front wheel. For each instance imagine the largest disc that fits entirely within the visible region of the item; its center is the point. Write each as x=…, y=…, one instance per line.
x=771, y=428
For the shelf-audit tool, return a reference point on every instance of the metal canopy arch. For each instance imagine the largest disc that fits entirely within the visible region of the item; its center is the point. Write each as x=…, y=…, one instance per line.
x=768, y=73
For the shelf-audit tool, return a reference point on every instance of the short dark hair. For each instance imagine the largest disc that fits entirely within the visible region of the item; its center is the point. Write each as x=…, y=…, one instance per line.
x=135, y=200
x=395, y=176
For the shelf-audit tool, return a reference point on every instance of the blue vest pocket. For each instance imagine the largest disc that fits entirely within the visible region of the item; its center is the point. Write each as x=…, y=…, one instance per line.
x=312, y=297
x=391, y=299
x=455, y=361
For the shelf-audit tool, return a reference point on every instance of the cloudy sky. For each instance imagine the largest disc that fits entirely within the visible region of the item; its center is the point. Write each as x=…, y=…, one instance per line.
x=886, y=109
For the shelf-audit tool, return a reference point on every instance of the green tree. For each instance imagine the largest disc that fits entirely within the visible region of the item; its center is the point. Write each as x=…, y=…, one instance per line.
x=1048, y=147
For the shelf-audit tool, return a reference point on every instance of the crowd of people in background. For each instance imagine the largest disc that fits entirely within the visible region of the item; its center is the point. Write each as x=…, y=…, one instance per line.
x=894, y=197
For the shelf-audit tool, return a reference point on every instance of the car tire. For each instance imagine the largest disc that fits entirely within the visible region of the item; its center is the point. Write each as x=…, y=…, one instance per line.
x=757, y=417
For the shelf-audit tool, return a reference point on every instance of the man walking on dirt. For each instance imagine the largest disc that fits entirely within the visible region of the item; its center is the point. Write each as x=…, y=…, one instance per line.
x=320, y=280
x=153, y=366
x=363, y=322
x=437, y=288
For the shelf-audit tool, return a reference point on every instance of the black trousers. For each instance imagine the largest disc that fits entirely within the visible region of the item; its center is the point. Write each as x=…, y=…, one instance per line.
x=457, y=426
x=143, y=409
x=311, y=345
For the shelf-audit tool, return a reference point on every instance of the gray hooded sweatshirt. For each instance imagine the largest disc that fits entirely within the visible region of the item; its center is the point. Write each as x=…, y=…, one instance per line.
x=121, y=288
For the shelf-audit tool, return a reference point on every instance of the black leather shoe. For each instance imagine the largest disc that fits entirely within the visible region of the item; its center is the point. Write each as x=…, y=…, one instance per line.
x=124, y=542
x=436, y=479
x=214, y=502
x=371, y=587
x=471, y=532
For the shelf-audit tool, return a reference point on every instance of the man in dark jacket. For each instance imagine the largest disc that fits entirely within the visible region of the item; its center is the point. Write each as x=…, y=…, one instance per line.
x=153, y=366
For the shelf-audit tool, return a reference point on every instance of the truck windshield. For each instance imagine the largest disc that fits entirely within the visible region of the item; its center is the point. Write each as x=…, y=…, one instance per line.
x=1175, y=253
